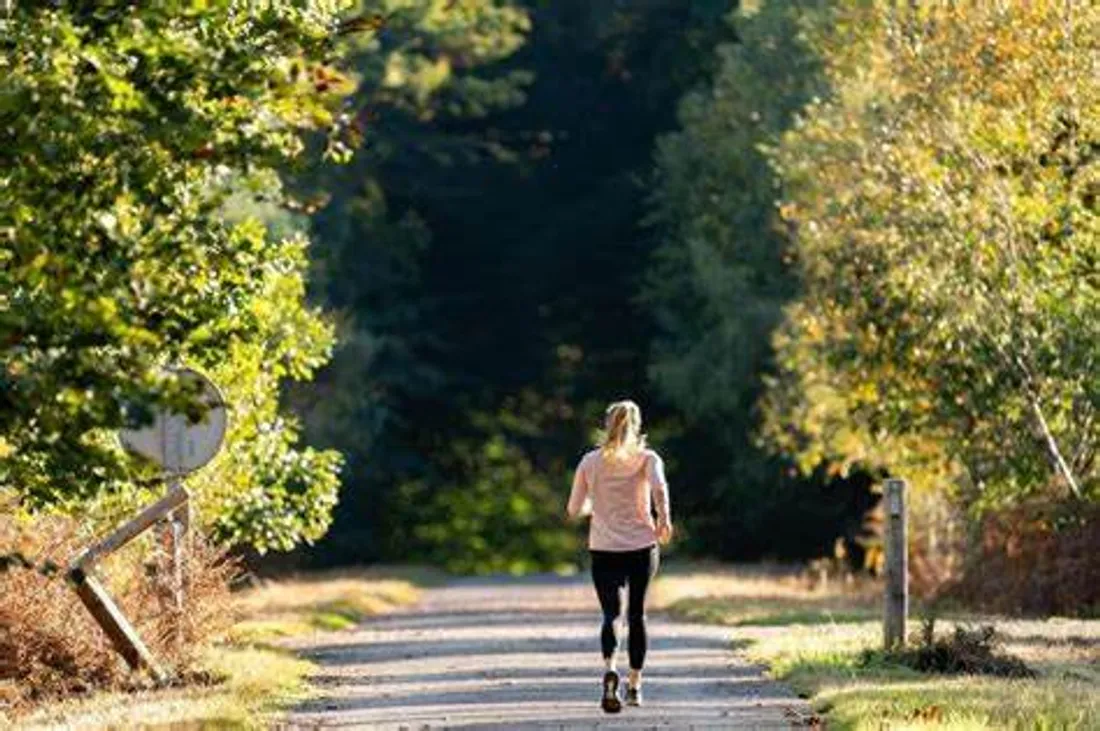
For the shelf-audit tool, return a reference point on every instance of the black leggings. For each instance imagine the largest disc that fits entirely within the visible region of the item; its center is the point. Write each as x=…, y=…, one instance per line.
x=610, y=571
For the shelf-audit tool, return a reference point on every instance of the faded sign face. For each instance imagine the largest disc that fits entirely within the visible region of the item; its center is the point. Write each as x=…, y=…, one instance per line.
x=175, y=442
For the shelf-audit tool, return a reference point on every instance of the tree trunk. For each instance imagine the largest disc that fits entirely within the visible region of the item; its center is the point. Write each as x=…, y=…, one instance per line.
x=1052, y=448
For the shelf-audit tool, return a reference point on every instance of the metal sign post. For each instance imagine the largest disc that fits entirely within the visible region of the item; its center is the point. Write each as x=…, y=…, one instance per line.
x=180, y=446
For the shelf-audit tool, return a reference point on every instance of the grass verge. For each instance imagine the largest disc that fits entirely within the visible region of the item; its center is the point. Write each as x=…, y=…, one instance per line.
x=323, y=602
x=252, y=679
x=252, y=685
x=815, y=641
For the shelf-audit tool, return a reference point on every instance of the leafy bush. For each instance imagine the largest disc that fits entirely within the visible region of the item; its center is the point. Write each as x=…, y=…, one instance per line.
x=967, y=651
x=127, y=129
x=500, y=516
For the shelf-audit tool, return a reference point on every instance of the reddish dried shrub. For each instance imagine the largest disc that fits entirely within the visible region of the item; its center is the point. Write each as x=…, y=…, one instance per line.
x=937, y=544
x=1036, y=559
x=49, y=645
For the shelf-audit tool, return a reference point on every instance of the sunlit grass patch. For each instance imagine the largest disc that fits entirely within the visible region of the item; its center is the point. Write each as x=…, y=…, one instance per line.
x=252, y=685
x=803, y=655
x=966, y=702
x=1056, y=647
x=817, y=639
x=324, y=602
x=860, y=690
x=763, y=595
x=767, y=612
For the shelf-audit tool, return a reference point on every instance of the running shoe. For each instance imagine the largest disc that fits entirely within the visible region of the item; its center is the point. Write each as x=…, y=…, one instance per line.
x=610, y=702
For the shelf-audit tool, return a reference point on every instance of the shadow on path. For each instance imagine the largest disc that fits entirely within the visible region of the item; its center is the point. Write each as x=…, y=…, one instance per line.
x=515, y=654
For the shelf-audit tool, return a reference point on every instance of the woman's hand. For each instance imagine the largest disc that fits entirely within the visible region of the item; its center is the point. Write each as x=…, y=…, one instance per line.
x=581, y=513
x=664, y=533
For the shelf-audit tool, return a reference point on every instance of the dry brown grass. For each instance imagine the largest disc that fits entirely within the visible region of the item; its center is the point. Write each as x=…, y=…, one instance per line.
x=50, y=648
x=1039, y=559
x=259, y=680
x=57, y=667
x=258, y=684
x=763, y=594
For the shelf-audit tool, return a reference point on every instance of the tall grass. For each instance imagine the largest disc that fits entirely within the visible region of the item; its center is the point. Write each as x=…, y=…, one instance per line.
x=50, y=648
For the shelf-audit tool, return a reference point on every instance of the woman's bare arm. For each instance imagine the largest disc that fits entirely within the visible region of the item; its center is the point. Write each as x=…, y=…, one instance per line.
x=659, y=485
x=579, y=504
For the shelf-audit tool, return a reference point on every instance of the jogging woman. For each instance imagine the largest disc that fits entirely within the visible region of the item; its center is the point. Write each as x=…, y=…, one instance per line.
x=621, y=484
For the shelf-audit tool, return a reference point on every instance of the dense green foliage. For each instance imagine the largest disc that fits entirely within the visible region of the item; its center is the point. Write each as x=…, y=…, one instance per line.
x=488, y=266
x=948, y=239
x=719, y=280
x=124, y=131
x=818, y=240
x=429, y=67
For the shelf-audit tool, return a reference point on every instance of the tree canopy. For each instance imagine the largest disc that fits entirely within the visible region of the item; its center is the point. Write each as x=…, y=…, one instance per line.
x=819, y=241
x=944, y=199
x=125, y=129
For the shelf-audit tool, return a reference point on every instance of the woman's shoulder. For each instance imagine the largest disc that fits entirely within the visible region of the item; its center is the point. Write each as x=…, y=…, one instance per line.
x=652, y=456
x=591, y=456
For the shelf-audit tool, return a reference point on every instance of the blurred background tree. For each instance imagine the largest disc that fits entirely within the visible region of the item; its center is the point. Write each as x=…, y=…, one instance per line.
x=517, y=298
x=431, y=67
x=719, y=279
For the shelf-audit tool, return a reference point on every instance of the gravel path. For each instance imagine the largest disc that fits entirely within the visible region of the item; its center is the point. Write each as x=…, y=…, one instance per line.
x=523, y=653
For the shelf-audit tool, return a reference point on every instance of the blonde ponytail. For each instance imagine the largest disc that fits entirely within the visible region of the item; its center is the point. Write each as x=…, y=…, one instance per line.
x=623, y=430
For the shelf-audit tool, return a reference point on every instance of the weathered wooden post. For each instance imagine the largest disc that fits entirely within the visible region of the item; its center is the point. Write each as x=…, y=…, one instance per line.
x=179, y=521
x=180, y=447
x=173, y=540
x=896, y=600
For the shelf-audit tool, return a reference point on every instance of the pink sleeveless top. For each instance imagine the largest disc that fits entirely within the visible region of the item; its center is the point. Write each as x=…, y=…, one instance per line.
x=621, y=497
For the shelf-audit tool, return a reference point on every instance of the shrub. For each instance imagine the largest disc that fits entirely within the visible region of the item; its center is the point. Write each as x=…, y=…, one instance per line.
x=1040, y=558
x=967, y=651
x=49, y=645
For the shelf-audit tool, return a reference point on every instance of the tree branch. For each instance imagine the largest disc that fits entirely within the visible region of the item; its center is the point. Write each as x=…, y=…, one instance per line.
x=1052, y=446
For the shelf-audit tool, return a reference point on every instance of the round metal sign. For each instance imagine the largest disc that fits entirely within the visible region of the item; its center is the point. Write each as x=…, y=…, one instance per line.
x=177, y=443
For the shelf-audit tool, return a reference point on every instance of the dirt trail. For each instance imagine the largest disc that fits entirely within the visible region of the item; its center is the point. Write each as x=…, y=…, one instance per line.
x=514, y=654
